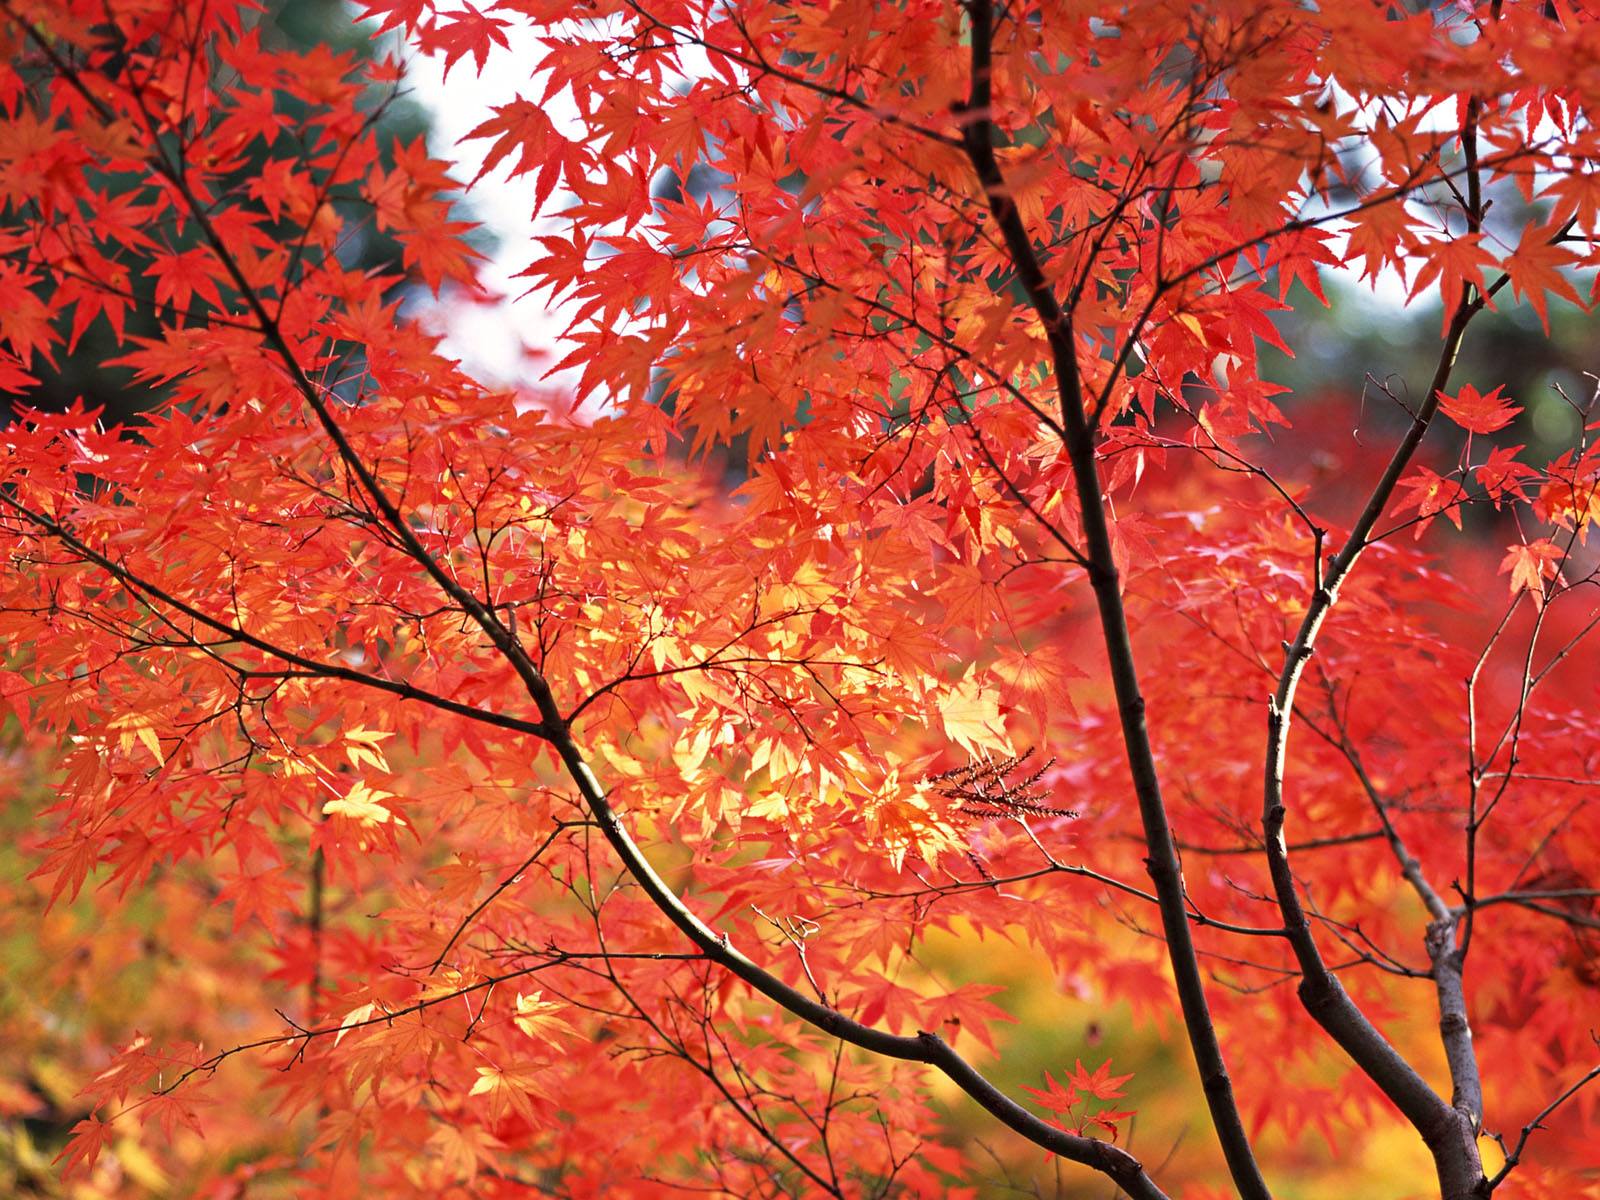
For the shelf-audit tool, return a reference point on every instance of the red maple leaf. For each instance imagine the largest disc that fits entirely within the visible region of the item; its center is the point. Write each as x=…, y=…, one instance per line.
x=1479, y=412
x=1535, y=269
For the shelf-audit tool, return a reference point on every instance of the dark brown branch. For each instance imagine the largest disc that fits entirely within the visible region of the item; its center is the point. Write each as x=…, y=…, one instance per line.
x=1346, y=839
x=153, y=595
x=1165, y=871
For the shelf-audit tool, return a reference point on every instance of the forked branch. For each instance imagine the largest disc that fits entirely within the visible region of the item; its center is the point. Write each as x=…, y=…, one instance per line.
x=1450, y=1133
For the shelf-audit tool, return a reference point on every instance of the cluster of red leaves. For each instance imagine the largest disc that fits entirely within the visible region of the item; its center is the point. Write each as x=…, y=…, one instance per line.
x=1065, y=1102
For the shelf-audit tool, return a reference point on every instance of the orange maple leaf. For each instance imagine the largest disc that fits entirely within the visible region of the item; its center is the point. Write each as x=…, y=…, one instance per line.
x=509, y=1090
x=1453, y=262
x=89, y=1138
x=1530, y=564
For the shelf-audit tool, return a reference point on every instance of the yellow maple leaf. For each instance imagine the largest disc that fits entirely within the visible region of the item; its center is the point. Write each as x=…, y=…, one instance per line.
x=364, y=748
x=360, y=804
x=541, y=1019
x=354, y=1017
x=508, y=1090
x=136, y=727
x=971, y=716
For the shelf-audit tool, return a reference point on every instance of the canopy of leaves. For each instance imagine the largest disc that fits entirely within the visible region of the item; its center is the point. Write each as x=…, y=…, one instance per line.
x=417, y=784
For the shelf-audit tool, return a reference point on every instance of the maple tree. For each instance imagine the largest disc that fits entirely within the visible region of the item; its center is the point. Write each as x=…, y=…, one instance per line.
x=477, y=780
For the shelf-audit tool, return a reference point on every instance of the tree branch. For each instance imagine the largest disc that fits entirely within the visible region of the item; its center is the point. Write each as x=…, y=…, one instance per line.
x=1165, y=870
x=1449, y=1133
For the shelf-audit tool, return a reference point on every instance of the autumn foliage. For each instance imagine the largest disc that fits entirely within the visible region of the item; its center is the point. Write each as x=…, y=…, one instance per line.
x=422, y=787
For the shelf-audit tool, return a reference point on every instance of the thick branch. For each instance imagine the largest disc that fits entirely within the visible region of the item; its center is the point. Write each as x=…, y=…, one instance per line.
x=1163, y=864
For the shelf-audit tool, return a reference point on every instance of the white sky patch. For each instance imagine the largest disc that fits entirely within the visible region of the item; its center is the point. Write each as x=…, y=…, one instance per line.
x=515, y=340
